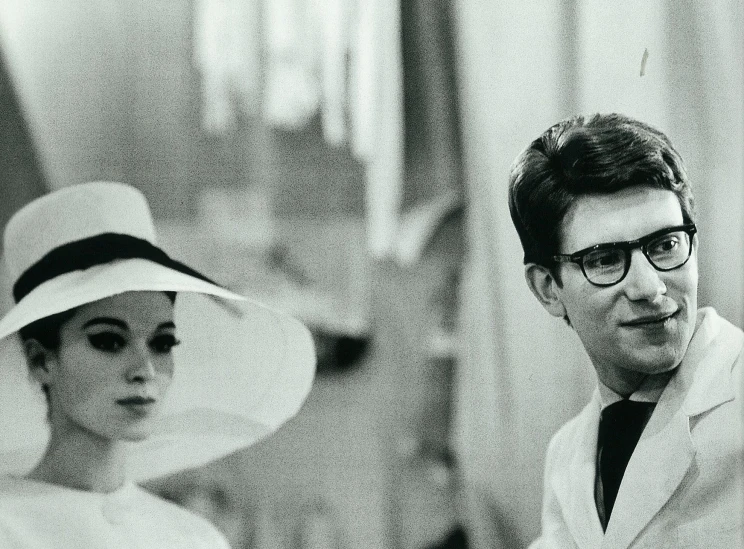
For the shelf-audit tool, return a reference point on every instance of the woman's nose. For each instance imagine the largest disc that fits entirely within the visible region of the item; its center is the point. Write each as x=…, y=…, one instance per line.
x=643, y=282
x=142, y=368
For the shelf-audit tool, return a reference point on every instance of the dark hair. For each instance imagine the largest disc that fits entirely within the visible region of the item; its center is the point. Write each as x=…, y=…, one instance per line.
x=601, y=155
x=46, y=330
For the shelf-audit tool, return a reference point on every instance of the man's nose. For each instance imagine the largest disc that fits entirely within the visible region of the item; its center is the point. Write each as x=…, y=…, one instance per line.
x=141, y=369
x=643, y=283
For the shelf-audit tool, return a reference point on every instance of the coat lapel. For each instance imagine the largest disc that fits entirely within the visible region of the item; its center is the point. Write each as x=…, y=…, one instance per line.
x=666, y=449
x=658, y=464
x=575, y=489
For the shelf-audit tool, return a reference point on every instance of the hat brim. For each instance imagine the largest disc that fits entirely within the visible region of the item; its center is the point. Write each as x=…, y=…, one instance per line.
x=77, y=288
x=240, y=372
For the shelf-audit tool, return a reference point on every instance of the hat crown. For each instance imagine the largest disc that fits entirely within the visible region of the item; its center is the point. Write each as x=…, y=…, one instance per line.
x=71, y=214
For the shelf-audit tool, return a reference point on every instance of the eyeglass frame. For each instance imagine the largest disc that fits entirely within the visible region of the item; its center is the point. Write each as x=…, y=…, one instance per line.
x=628, y=246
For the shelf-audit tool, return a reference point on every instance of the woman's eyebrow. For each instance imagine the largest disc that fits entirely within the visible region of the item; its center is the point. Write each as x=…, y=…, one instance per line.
x=106, y=320
x=168, y=324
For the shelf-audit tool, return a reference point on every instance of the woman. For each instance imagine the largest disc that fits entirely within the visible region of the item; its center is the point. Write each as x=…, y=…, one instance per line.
x=96, y=390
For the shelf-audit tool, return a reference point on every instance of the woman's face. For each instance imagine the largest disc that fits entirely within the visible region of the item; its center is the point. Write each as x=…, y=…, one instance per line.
x=113, y=366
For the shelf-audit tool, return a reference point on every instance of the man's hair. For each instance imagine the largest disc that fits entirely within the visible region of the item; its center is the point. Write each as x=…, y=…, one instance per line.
x=576, y=157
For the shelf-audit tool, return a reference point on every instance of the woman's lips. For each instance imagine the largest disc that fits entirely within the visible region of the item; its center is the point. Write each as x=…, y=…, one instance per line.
x=136, y=404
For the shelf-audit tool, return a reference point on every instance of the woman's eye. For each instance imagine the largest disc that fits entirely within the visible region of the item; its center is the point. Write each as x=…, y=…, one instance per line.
x=107, y=341
x=164, y=343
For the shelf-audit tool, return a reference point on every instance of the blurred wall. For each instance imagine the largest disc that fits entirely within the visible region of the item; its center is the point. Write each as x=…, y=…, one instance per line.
x=21, y=174
x=523, y=373
x=111, y=92
x=68, y=62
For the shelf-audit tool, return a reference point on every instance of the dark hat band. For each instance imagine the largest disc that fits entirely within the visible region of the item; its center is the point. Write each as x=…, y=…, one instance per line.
x=89, y=252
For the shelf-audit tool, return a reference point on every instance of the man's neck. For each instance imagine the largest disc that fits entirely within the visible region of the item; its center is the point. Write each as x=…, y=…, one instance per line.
x=624, y=385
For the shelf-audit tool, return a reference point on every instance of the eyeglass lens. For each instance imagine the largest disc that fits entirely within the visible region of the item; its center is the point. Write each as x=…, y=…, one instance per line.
x=607, y=266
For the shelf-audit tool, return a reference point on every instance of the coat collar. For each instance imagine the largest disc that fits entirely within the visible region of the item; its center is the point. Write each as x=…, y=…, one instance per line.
x=665, y=451
x=711, y=356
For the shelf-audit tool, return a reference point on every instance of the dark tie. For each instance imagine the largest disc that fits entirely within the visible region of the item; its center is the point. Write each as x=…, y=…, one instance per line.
x=620, y=427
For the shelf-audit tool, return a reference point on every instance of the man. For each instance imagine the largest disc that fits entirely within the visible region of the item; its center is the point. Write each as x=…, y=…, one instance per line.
x=606, y=218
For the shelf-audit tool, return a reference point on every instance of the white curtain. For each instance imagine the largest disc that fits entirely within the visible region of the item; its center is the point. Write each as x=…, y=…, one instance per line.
x=523, y=67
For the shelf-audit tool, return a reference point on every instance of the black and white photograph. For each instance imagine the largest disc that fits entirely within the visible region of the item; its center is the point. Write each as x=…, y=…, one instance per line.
x=371, y=274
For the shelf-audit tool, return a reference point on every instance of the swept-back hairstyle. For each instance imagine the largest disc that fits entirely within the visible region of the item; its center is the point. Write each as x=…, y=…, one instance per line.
x=599, y=155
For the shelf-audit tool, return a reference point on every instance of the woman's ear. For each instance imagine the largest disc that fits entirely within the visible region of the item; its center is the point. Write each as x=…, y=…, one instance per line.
x=38, y=358
x=544, y=286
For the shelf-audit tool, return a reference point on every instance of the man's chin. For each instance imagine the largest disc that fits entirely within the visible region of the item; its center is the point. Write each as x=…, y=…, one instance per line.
x=657, y=361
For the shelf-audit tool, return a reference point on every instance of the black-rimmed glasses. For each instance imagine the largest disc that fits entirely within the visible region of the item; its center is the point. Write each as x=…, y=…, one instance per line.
x=607, y=264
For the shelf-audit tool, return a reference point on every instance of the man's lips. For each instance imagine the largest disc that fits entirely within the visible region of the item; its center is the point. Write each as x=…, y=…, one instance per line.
x=657, y=318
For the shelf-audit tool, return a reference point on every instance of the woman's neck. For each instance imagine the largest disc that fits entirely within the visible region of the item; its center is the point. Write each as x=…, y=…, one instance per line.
x=83, y=461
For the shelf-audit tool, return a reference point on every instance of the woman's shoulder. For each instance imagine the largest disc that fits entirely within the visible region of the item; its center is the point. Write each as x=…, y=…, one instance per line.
x=33, y=514
x=31, y=509
x=18, y=487
x=179, y=519
x=26, y=501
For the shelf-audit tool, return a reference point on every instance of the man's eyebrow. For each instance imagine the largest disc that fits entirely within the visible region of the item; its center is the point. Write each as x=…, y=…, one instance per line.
x=169, y=324
x=657, y=232
x=106, y=320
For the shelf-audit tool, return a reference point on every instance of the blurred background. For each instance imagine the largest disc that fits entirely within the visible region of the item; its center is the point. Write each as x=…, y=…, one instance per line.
x=347, y=161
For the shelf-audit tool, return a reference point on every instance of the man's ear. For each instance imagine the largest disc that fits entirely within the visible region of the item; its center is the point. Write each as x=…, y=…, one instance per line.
x=38, y=358
x=543, y=285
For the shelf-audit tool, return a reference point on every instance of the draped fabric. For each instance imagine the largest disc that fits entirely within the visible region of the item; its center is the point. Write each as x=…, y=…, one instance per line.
x=20, y=167
x=379, y=74
x=227, y=53
x=523, y=67
x=431, y=110
x=376, y=75
x=21, y=175
x=292, y=88
x=290, y=62
x=431, y=188
x=73, y=65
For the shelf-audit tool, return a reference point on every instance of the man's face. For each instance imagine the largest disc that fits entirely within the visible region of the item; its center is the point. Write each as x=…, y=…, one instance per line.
x=606, y=319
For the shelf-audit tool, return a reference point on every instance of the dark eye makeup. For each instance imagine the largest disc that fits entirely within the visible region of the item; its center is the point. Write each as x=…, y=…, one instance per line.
x=112, y=342
x=164, y=343
x=107, y=341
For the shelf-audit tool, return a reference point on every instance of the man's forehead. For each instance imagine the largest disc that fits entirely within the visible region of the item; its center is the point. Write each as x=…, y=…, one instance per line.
x=625, y=215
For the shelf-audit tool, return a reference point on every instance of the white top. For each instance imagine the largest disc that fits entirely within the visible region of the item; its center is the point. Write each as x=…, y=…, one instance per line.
x=39, y=515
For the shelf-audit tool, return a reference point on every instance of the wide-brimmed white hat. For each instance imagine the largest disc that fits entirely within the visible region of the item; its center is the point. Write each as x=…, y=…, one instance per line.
x=242, y=370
